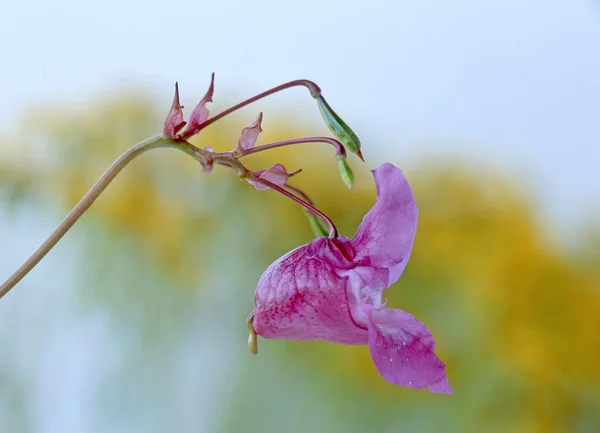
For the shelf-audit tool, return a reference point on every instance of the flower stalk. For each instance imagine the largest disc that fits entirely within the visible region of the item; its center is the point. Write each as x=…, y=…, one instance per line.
x=318, y=226
x=339, y=148
x=333, y=232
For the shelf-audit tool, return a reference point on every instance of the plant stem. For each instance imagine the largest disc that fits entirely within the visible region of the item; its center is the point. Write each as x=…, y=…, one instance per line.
x=155, y=142
x=315, y=222
x=333, y=233
x=340, y=150
x=299, y=193
x=315, y=91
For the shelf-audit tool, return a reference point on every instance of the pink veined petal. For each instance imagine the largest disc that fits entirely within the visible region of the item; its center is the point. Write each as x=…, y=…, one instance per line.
x=174, y=121
x=386, y=234
x=250, y=135
x=276, y=174
x=402, y=350
x=200, y=113
x=300, y=297
x=441, y=387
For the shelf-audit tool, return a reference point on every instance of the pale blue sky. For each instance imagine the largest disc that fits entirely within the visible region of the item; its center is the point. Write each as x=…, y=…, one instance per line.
x=513, y=82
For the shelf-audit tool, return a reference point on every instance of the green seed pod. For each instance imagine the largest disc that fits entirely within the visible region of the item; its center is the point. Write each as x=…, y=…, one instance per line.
x=338, y=127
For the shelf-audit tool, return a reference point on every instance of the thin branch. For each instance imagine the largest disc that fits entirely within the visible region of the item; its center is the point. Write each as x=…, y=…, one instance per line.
x=83, y=205
x=299, y=193
x=339, y=148
x=315, y=91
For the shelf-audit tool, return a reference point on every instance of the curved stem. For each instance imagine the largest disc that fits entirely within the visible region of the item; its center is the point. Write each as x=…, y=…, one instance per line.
x=315, y=222
x=91, y=196
x=315, y=91
x=333, y=232
x=339, y=148
x=299, y=193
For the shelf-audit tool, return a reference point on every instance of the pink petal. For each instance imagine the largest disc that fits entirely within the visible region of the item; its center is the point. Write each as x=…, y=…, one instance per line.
x=250, y=135
x=276, y=174
x=174, y=121
x=385, y=237
x=200, y=113
x=402, y=350
x=441, y=386
x=366, y=285
x=300, y=297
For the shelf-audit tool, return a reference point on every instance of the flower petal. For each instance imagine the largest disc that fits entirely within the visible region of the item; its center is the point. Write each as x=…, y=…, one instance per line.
x=386, y=234
x=402, y=350
x=300, y=297
x=174, y=121
x=250, y=135
x=200, y=113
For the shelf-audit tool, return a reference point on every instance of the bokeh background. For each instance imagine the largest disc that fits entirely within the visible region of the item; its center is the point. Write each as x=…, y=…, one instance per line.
x=136, y=321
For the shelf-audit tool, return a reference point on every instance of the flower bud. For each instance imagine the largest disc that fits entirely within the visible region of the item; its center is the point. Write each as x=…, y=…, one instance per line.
x=346, y=172
x=338, y=127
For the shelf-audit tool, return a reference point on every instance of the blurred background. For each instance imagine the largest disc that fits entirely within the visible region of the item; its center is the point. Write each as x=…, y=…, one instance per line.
x=136, y=321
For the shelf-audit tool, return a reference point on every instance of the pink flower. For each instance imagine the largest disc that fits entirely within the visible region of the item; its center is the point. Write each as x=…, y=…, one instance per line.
x=331, y=289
